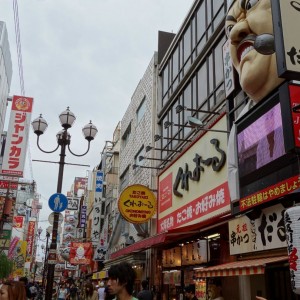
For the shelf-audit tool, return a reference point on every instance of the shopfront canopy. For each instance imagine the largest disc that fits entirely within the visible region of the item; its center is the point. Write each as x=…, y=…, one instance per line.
x=155, y=241
x=238, y=268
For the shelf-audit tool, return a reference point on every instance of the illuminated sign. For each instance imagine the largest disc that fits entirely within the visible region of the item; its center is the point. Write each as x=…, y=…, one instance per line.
x=137, y=204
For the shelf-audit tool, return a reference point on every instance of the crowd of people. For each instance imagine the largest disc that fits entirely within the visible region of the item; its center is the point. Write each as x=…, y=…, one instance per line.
x=119, y=285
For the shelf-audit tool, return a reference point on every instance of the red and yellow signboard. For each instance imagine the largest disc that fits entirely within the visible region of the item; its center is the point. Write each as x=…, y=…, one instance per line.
x=137, y=204
x=81, y=253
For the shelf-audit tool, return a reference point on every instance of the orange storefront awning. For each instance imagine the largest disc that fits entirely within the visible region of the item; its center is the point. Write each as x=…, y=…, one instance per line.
x=237, y=268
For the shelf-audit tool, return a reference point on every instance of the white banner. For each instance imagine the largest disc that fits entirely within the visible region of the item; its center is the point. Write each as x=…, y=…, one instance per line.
x=17, y=136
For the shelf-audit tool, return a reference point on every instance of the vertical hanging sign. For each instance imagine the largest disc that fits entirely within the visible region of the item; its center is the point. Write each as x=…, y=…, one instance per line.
x=17, y=136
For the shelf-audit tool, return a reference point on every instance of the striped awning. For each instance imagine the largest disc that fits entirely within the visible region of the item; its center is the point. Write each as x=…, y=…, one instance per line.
x=237, y=268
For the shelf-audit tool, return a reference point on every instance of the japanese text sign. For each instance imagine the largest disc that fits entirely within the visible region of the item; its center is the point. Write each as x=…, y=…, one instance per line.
x=137, y=204
x=17, y=136
x=228, y=69
x=194, y=188
x=263, y=233
x=30, y=237
x=99, y=182
x=286, y=20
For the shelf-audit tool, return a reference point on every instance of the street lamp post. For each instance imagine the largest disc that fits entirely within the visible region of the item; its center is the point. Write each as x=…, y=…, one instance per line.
x=45, y=260
x=39, y=125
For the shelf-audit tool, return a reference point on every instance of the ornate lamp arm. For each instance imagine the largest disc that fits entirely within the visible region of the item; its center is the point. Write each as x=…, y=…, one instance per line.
x=37, y=142
x=78, y=155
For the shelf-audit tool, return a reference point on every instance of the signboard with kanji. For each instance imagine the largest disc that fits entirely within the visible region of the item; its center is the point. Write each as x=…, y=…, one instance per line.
x=137, y=204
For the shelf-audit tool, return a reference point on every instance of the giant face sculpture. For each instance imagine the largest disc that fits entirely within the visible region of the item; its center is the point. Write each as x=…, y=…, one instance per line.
x=249, y=22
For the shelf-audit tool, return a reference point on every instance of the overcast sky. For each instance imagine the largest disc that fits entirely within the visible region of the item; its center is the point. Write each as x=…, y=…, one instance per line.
x=89, y=55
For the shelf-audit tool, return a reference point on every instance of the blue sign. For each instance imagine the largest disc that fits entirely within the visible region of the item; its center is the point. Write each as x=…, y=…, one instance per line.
x=99, y=182
x=58, y=202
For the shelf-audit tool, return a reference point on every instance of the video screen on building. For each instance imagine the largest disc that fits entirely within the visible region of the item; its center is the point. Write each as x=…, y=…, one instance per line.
x=260, y=142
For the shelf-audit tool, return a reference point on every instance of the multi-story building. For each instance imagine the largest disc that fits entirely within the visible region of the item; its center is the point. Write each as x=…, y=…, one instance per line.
x=201, y=233
x=5, y=73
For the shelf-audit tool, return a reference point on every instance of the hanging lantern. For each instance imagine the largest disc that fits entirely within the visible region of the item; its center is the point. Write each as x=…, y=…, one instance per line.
x=292, y=228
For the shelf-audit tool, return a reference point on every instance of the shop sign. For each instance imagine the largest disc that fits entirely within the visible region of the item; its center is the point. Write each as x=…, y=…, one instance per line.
x=195, y=253
x=173, y=277
x=286, y=15
x=83, y=216
x=194, y=187
x=73, y=203
x=266, y=232
x=292, y=226
x=81, y=253
x=228, y=69
x=137, y=204
x=18, y=222
x=275, y=191
x=30, y=237
x=80, y=183
x=171, y=257
x=19, y=259
x=202, y=208
x=17, y=136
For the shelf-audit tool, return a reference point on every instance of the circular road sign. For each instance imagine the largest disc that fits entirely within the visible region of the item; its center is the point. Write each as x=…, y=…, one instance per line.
x=58, y=202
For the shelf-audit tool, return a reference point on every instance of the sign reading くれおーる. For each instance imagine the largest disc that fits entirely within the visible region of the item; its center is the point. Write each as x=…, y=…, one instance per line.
x=137, y=204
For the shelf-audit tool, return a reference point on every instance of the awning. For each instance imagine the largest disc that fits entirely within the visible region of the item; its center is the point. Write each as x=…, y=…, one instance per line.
x=141, y=245
x=154, y=240
x=237, y=268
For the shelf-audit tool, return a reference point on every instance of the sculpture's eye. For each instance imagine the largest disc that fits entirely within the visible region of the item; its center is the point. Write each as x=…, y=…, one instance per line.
x=250, y=3
x=228, y=29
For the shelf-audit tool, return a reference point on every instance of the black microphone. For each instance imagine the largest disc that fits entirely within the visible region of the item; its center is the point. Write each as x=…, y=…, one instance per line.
x=264, y=44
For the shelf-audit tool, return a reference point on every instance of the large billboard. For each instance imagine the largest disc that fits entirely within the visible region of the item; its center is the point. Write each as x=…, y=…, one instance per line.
x=194, y=188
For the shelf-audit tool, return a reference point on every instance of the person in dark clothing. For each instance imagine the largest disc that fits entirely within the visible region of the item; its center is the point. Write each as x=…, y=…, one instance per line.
x=189, y=292
x=145, y=294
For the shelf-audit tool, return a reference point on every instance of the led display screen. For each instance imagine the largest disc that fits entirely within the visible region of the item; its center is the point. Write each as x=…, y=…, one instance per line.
x=261, y=142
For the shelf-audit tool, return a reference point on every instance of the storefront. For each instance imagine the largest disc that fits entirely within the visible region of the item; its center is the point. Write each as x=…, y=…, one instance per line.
x=194, y=198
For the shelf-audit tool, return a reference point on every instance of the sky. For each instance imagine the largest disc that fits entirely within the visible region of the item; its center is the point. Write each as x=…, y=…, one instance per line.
x=88, y=55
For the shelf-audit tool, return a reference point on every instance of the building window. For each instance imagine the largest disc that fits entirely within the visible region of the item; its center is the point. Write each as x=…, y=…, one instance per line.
x=137, y=160
x=141, y=110
x=126, y=135
x=124, y=179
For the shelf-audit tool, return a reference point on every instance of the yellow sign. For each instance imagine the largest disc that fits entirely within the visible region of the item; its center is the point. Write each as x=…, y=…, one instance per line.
x=137, y=204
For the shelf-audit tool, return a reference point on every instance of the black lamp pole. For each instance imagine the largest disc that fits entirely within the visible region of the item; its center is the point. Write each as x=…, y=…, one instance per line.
x=39, y=125
x=45, y=261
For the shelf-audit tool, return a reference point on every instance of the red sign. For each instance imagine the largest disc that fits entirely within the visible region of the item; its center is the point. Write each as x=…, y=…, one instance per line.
x=30, y=237
x=165, y=193
x=270, y=193
x=18, y=222
x=203, y=207
x=17, y=136
x=4, y=184
x=81, y=253
x=295, y=101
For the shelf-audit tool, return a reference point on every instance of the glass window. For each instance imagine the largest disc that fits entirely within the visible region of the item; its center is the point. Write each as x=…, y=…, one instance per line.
x=138, y=158
x=202, y=84
x=141, y=110
x=175, y=68
x=124, y=179
x=187, y=44
x=201, y=24
x=210, y=74
x=219, y=61
x=209, y=10
x=217, y=4
x=165, y=83
x=126, y=135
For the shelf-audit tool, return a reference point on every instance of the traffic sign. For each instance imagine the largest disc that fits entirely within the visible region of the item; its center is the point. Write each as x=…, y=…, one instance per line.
x=58, y=202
